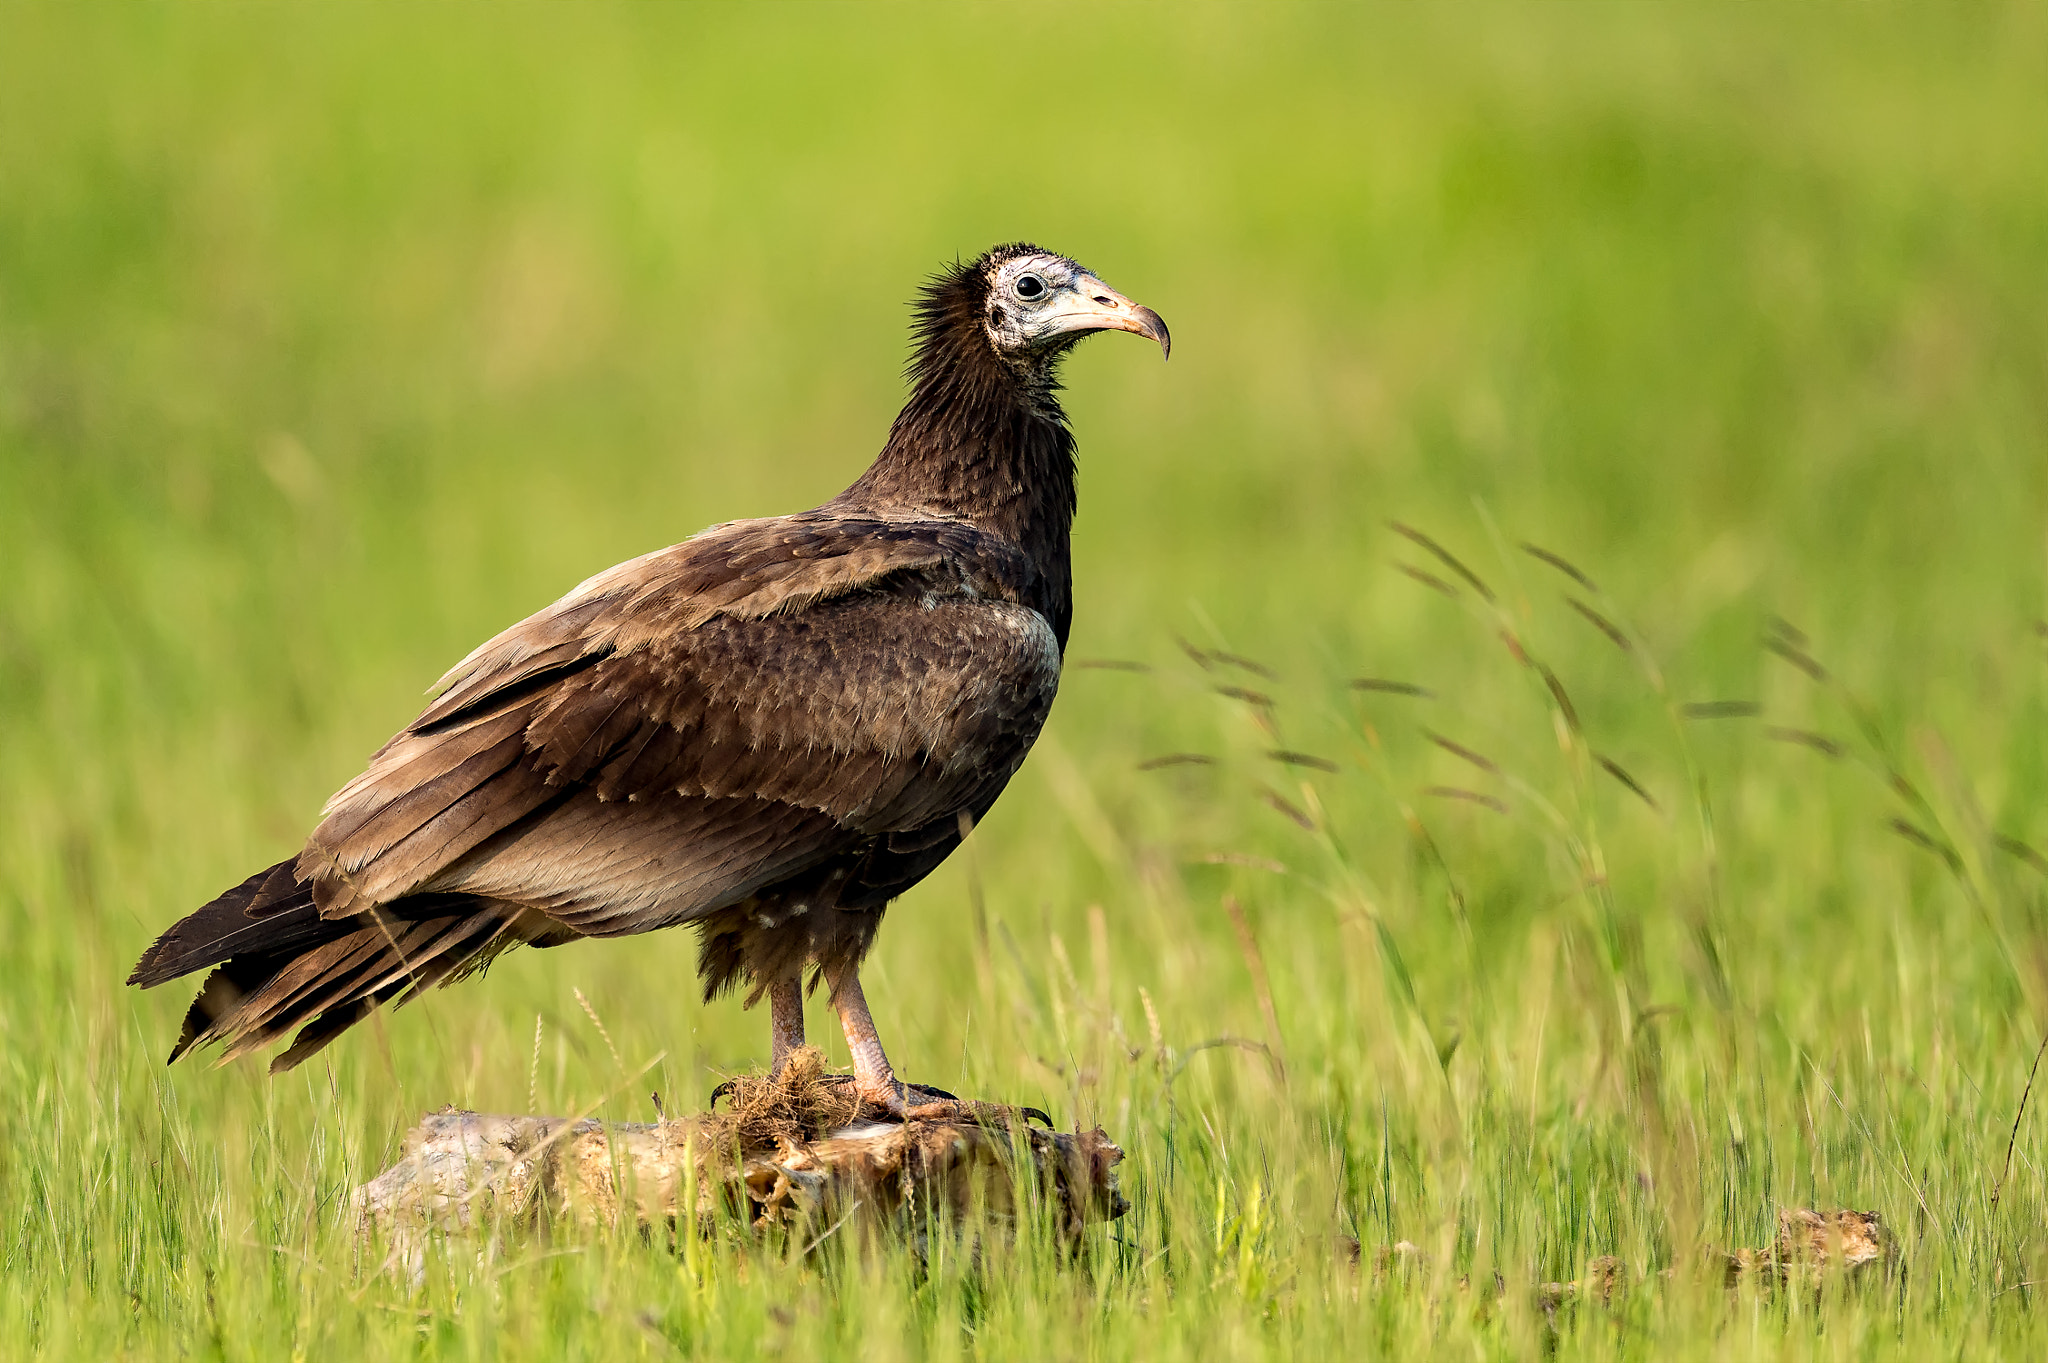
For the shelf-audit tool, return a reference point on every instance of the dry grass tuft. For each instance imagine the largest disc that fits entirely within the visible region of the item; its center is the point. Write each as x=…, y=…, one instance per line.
x=763, y=1112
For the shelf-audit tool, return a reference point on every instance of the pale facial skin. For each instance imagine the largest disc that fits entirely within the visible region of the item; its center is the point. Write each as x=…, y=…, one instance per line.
x=1036, y=300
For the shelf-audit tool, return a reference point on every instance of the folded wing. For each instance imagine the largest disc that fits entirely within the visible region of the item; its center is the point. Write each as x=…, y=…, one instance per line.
x=630, y=757
x=677, y=734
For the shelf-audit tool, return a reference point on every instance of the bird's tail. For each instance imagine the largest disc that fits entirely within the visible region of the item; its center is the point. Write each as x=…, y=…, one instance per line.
x=278, y=964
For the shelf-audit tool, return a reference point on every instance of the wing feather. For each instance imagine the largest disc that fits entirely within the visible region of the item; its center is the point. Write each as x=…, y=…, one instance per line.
x=698, y=724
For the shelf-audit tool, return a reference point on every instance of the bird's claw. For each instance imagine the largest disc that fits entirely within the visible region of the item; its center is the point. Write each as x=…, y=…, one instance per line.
x=910, y=1102
x=888, y=1096
x=868, y=1094
x=895, y=1098
x=899, y=1101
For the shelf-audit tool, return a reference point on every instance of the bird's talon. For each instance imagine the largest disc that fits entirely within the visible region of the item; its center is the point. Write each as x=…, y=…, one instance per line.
x=937, y=1112
x=888, y=1098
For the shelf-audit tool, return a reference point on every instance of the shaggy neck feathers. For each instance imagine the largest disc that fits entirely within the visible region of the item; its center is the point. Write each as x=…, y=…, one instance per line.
x=982, y=437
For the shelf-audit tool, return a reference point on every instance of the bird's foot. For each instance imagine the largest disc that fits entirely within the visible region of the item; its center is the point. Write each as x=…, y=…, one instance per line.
x=906, y=1102
x=924, y=1103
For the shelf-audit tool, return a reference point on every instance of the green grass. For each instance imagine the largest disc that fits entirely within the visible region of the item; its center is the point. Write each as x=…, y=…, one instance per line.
x=333, y=340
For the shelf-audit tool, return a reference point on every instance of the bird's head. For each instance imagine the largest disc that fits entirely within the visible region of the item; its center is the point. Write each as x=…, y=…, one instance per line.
x=1035, y=305
x=986, y=342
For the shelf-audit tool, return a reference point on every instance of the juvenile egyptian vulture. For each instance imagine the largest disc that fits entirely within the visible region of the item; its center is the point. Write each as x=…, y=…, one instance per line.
x=767, y=732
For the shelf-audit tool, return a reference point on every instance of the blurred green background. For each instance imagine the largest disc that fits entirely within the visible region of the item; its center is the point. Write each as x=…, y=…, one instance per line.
x=334, y=339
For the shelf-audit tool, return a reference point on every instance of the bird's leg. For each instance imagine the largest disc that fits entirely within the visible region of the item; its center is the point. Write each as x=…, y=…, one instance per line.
x=873, y=1079
x=786, y=1020
x=874, y=1082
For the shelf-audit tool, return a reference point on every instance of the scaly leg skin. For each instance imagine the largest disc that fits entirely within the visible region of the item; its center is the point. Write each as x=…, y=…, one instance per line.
x=785, y=1020
x=873, y=1079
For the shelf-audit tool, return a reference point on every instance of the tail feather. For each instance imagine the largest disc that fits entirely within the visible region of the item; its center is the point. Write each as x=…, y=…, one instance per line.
x=268, y=912
x=278, y=965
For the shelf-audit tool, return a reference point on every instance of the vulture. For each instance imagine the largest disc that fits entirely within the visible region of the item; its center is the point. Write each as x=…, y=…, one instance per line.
x=768, y=731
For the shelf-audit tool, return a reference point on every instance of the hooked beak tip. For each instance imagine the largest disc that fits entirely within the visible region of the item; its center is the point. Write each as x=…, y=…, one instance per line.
x=1151, y=324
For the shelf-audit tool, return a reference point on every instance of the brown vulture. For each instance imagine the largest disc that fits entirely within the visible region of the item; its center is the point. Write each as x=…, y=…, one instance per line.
x=768, y=731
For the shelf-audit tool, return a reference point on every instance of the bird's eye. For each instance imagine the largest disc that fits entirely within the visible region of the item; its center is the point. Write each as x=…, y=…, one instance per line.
x=1029, y=286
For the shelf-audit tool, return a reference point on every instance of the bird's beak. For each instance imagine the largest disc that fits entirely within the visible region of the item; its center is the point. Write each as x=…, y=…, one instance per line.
x=1091, y=305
